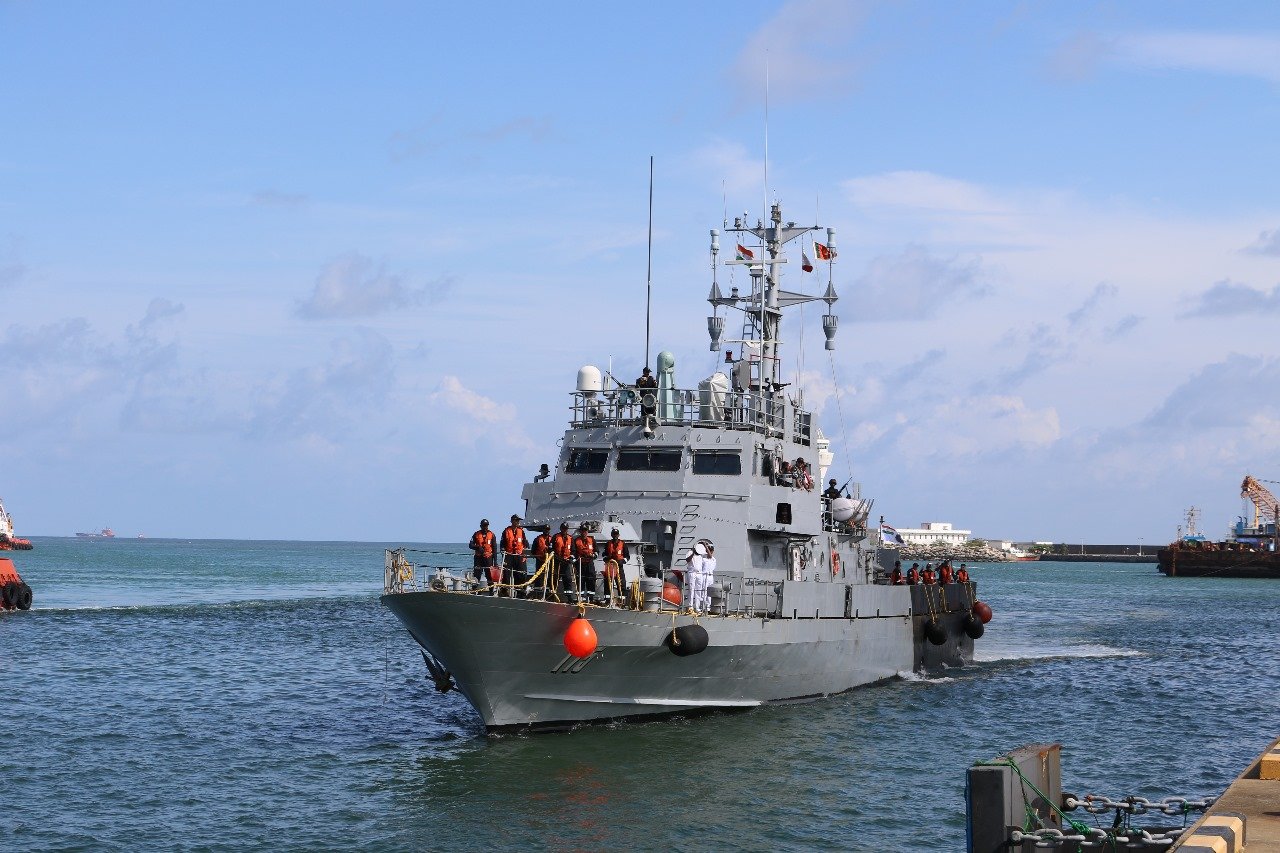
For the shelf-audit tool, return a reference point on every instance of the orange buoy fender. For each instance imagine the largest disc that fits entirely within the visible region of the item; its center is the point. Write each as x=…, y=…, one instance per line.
x=982, y=610
x=580, y=640
x=671, y=594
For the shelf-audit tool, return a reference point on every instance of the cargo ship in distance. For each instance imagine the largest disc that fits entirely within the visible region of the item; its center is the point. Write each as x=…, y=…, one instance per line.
x=1250, y=552
x=104, y=533
x=800, y=607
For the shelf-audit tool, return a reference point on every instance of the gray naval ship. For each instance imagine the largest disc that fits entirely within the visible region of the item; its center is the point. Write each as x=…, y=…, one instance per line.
x=801, y=604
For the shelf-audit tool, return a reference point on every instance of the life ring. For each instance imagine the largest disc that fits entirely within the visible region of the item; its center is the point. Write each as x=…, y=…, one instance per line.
x=835, y=563
x=405, y=570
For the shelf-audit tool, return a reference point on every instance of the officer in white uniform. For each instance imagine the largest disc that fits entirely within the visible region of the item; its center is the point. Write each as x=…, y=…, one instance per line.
x=697, y=577
x=708, y=577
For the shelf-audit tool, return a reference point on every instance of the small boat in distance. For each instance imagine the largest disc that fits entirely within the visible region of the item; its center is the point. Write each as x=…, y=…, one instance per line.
x=105, y=533
x=9, y=542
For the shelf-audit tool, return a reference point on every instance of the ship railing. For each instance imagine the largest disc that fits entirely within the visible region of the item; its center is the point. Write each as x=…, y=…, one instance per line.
x=737, y=410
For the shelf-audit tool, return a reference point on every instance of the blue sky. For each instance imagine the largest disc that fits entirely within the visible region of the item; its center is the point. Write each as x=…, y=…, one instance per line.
x=327, y=271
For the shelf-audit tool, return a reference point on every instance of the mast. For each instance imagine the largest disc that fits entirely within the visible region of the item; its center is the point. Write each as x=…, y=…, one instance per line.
x=768, y=299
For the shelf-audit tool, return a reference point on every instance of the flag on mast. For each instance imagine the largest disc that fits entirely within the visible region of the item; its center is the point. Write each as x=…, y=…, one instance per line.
x=805, y=263
x=823, y=251
x=745, y=254
x=889, y=535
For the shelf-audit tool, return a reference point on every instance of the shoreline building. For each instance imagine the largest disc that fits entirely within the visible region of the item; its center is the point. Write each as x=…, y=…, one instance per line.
x=934, y=533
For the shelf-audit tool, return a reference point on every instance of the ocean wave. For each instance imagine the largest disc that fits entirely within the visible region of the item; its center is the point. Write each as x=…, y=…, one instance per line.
x=1029, y=653
x=268, y=601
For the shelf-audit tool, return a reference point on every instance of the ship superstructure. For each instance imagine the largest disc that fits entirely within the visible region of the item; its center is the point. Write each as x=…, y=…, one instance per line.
x=801, y=608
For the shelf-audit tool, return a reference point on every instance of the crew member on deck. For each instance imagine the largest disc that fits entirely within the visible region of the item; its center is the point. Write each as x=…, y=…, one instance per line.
x=562, y=544
x=584, y=551
x=944, y=572
x=485, y=546
x=615, y=550
x=514, y=546
x=962, y=576
x=708, y=576
x=832, y=491
x=913, y=574
x=928, y=576
x=541, y=548
x=646, y=384
x=896, y=577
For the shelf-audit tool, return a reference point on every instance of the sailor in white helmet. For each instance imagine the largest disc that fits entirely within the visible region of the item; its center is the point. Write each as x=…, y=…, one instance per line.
x=698, y=577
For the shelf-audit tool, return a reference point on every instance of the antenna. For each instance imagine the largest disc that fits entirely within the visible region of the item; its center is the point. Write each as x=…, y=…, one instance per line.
x=764, y=205
x=648, y=286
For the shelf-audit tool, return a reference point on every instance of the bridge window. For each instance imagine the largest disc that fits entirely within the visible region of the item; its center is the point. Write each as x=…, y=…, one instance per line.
x=649, y=459
x=717, y=462
x=587, y=461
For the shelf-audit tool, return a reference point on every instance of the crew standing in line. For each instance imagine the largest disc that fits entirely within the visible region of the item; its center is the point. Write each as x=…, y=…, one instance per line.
x=944, y=572
x=913, y=574
x=615, y=550
x=514, y=546
x=584, y=549
x=541, y=548
x=708, y=577
x=896, y=577
x=562, y=543
x=484, y=545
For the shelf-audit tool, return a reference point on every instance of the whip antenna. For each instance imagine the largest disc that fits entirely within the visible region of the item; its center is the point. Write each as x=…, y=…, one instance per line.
x=648, y=286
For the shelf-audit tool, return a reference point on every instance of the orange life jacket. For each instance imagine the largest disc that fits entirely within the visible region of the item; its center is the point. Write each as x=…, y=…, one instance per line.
x=896, y=577
x=913, y=577
x=485, y=542
x=944, y=573
x=542, y=545
x=585, y=546
x=928, y=577
x=613, y=550
x=962, y=576
x=513, y=540
x=562, y=542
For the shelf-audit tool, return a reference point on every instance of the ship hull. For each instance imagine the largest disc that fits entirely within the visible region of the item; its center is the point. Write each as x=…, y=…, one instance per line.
x=507, y=656
x=1185, y=562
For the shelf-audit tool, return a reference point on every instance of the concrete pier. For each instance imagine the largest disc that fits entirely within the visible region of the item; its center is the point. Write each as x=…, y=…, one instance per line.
x=1253, y=800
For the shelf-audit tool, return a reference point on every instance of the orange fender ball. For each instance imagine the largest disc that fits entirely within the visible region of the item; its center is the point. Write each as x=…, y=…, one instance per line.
x=671, y=594
x=580, y=640
x=982, y=610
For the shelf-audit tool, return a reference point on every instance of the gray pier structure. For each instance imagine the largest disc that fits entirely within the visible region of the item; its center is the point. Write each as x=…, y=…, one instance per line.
x=800, y=609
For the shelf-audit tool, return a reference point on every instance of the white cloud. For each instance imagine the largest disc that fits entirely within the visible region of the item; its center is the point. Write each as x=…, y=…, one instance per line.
x=913, y=285
x=1239, y=54
x=1231, y=299
x=475, y=420
x=808, y=47
x=354, y=286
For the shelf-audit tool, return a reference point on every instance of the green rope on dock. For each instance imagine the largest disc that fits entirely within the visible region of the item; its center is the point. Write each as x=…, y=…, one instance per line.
x=1032, y=817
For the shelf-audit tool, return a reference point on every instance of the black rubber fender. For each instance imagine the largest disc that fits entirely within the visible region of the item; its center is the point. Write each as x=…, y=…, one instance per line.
x=23, y=598
x=935, y=633
x=973, y=627
x=8, y=594
x=687, y=640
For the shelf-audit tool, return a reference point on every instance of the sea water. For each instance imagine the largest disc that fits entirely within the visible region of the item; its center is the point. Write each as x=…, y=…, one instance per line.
x=175, y=695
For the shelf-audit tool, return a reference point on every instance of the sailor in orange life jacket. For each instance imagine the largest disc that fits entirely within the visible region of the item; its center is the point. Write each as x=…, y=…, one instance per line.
x=962, y=575
x=896, y=577
x=541, y=548
x=584, y=552
x=944, y=572
x=616, y=550
x=485, y=546
x=562, y=545
x=927, y=576
x=913, y=574
x=514, y=545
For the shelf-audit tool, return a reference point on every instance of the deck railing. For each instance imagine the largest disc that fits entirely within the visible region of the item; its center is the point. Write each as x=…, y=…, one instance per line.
x=744, y=410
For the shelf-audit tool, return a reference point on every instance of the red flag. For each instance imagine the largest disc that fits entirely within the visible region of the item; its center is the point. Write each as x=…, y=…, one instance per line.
x=805, y=263
x=823, y=252
x=745, y=254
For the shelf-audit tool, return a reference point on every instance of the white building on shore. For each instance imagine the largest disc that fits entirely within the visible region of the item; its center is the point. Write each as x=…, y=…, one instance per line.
x=934, y=533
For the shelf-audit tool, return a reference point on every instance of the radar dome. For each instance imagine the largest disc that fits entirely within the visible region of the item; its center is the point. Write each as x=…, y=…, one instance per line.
x=589, y=379
x=842, y=509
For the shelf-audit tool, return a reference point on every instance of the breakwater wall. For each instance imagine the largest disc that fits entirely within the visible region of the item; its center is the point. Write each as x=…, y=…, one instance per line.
x=1087, y=553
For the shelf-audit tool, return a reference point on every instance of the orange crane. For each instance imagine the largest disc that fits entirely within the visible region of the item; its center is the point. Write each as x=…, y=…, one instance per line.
x=1265, y=505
